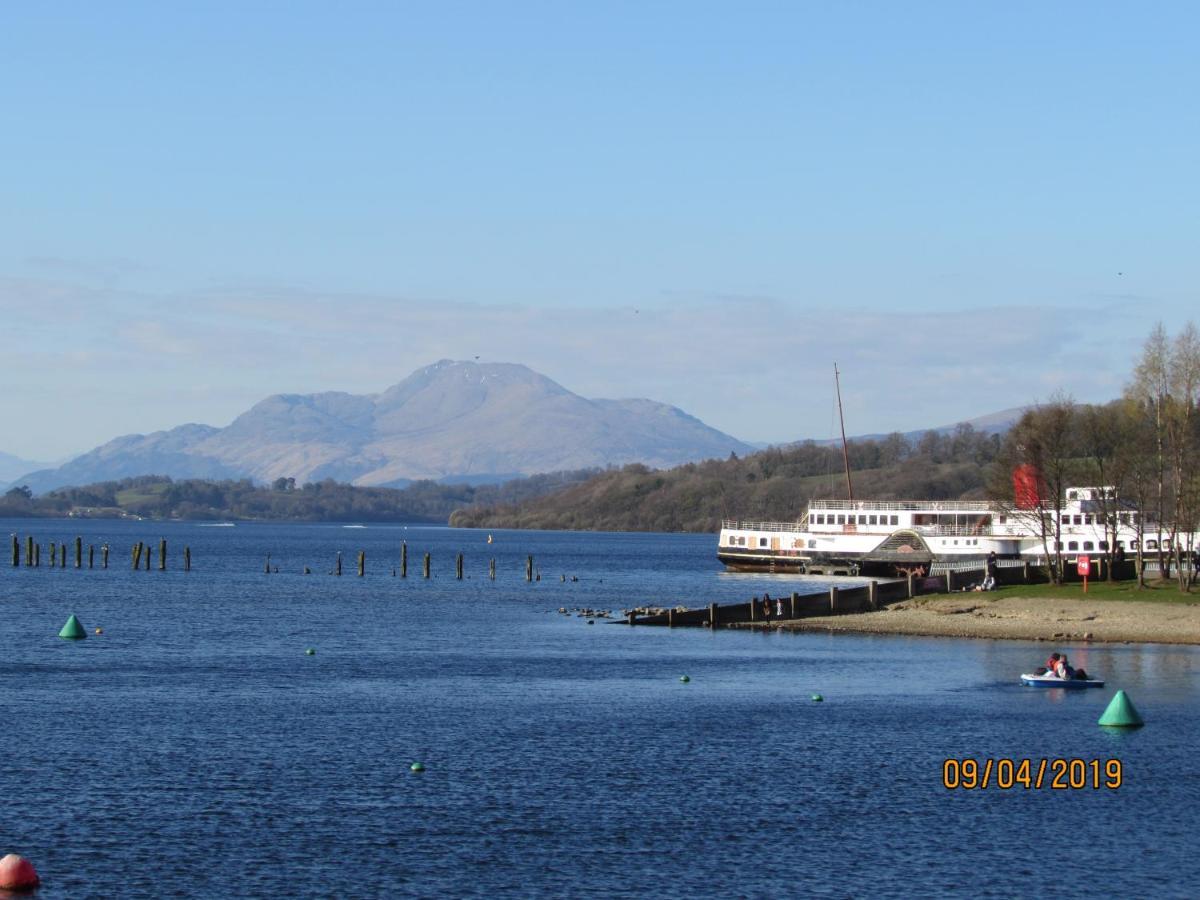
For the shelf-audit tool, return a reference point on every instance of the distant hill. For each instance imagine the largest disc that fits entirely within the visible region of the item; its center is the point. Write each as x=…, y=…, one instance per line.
x=774, y=484
x=459, y=421
x=12, y=467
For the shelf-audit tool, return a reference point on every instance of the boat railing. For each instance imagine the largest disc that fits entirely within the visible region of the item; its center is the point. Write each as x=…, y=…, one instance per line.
x=918, y=505
x=743, y=525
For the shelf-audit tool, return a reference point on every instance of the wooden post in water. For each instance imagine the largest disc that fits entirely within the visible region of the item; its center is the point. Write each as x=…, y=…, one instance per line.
x=187, y=559
x=712, y=615
x=137, y=555
x=362, y=563
x=404, y=559
x=162, y=554
x=29, y=550
x=458, y=567
x=16, y=551
x=529, y=568
x=91, y=556
x=492, y=568
x=267, y=565
x=795, y=605
x=337, y=568
x=78, y=552
x=62, y=556
x=873, y=594
x=37, y=555
x=53, y=555
x=104, y=556
x=425, y=566
x=833, y=598
x=147, y=557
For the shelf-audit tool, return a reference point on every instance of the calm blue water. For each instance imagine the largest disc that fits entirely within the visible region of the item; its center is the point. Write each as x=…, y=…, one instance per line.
x=193, y=749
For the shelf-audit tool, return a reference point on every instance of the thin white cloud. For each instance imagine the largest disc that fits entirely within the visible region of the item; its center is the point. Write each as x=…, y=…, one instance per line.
x=109, y=361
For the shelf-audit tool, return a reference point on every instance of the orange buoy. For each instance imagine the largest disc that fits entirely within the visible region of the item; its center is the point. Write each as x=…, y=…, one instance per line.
x=17, y=873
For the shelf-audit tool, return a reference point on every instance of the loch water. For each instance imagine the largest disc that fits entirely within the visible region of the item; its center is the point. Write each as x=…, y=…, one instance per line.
x=193, y=749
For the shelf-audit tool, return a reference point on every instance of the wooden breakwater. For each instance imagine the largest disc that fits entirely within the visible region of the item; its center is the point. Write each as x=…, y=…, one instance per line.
x=838, y=600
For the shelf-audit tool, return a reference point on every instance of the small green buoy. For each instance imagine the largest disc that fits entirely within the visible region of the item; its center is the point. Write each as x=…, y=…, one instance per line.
x=73, y=631
x=817, y=698
x=417, y=767
x=1121, y=713
x=310, y=651
x=684, y=679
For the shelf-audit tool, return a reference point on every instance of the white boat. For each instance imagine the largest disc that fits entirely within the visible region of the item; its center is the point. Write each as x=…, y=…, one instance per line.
x=895, y=538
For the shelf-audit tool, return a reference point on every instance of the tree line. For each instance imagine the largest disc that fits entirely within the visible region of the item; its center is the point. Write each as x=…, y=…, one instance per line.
x=161, y=497
x=1142, y=448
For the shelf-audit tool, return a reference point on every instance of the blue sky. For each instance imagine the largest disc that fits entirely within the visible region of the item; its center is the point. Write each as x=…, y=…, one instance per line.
x=969, y=206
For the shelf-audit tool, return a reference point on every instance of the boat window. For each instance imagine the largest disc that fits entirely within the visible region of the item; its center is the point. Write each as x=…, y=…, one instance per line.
x=1004, y=520
x=895, y=520
x=762, y=542
x=1072, y=495
x=1087, y=545
x=1079, y=520
x=1073, y=545
x=873, y=520
x=1104, y=545
x=1066, y=520
x=1124, y=518
x=1088, y=519
x=862, y=520
x=1133, y=545
x=1151, y=544
x=1058, y=545
x=841, y=519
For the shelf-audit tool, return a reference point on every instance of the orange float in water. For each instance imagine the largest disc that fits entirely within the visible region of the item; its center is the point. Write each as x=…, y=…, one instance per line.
x=17, y=873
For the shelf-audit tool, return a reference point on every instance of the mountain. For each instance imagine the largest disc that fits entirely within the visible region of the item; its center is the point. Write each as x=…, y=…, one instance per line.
x=992, y=423
x=450, y=420
x=13, y=466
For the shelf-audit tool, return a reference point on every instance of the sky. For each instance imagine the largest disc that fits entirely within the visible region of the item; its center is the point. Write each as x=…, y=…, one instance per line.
x=967, y=206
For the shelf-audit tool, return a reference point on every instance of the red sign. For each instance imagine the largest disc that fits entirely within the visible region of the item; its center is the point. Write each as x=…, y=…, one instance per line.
x=1084, y=565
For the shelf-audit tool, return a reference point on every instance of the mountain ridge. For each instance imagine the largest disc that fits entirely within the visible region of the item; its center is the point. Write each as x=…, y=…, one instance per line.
x=446, y=420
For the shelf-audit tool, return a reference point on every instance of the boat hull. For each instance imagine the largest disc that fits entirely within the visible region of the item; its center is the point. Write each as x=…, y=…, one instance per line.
x=1053, y=681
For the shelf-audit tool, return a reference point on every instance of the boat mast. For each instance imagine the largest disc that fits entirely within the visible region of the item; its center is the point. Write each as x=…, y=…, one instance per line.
x=845, y=452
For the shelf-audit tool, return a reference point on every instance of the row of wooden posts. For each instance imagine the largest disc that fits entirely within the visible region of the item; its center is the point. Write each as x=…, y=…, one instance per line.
x=141, y=552
x=426, y=563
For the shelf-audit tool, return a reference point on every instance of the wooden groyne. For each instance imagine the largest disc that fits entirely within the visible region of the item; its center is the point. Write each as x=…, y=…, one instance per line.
x=837, y=600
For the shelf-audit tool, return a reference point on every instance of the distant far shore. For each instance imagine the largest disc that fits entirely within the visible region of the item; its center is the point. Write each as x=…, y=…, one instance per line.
x=1007, y=617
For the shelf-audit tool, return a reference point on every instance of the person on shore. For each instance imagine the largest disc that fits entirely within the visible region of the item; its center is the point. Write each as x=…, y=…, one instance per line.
x=991, y=568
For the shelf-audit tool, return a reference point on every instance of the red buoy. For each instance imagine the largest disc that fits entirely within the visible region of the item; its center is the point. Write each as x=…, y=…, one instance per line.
x=17, y=873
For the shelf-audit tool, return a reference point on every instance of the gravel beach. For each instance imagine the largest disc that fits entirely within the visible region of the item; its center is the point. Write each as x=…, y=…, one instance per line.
x=1021, y=618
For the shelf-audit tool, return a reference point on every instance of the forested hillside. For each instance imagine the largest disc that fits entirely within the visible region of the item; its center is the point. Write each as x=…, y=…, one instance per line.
x=159, y=497
x=772, y=484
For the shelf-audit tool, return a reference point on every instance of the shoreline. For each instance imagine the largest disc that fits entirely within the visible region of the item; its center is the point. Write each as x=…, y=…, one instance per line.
x=976, y=615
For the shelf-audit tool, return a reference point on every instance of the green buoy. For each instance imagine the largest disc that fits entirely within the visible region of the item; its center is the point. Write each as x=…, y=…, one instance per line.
x=417, y=767
x=817, y=698
x=1121, y=713
x=309, y=651
x=72, y=631
x=684, y=679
